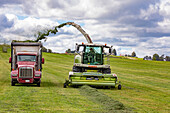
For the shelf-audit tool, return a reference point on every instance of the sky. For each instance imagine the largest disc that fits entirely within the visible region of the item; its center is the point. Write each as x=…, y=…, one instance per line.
x=142, y=26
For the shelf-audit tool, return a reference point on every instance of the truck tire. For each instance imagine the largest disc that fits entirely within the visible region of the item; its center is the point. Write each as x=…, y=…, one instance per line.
x=12, y=83
x=38, y=84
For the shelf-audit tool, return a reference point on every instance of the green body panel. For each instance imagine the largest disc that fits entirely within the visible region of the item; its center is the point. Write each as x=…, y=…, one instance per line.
x=92, y=78
x=93, y=83
x=78, y=74
x=77, y=59
x=87, y=65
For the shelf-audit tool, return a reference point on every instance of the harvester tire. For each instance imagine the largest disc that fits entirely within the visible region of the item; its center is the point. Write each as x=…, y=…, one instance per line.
x=76, y=69
x=65, y=85
x=107, y=71
x=119, y=87
x=112, y=87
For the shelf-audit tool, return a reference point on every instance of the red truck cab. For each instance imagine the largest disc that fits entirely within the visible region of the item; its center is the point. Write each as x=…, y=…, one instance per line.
x=26, y=60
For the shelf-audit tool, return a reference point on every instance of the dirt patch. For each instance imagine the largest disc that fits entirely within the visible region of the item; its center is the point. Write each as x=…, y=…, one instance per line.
x=108, y=104
x=131, y=58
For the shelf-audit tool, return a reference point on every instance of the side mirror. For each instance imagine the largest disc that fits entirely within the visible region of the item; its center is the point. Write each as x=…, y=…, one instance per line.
x=10, y=59
x=77, y=48
x=42, y=61
x=110, y=50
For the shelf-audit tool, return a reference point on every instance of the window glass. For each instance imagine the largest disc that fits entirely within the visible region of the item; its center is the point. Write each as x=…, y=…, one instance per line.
x=26, y=58
x=93, y=49
x=81, y=48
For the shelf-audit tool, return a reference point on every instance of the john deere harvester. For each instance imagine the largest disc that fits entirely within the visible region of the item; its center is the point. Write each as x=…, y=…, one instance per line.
x=91, y=64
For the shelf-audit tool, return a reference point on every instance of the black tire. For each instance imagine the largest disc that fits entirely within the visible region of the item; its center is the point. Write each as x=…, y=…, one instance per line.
x=65, y=85
x=38, y=84
x=12, y=83
x=107, y=71
x=119, y=87
x=76, y=69
x=76, y=86
x=112, y=87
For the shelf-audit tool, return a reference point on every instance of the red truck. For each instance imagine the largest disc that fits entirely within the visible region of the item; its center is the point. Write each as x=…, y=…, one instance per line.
x=26, y=63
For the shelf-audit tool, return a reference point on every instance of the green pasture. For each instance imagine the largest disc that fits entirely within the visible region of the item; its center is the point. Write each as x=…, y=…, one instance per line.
x=146, y=88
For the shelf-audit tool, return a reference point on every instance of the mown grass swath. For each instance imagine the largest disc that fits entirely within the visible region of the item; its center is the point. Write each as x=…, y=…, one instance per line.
x=146, y=88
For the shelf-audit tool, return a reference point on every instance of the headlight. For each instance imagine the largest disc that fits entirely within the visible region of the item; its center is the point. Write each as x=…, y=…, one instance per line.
x=14, y=74
x=114, y=75
x=37, y=75
x=71, y=73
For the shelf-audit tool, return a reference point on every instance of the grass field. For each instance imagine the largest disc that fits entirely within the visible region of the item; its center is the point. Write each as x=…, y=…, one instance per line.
x=146, y=88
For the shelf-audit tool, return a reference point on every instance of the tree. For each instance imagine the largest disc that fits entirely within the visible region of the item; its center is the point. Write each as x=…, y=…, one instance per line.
x=68, y=51
x=161, y=58
x=44, y=49
x=167, y=58
x=49, y=51
x=133, y=54
x=145, y=58
x=114, y=52
x=4, y=47
x=156, y=57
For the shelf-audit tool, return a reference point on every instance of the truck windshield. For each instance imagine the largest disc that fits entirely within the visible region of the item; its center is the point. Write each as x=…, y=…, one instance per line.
x=26, y=58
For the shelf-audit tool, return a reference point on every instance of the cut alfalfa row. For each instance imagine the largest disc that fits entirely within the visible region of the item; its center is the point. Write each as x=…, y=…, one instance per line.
x=107, y=103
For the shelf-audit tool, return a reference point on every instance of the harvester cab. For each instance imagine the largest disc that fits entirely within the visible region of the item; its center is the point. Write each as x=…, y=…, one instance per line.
x=93, y=58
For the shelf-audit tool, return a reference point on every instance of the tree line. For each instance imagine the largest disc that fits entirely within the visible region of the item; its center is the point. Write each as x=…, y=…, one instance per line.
x=114, y=52
x=46, y=50
x=132, y=55
x=156, y=57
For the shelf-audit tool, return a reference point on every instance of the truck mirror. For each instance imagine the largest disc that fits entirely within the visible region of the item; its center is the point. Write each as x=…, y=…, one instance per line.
x=42, y=61
x=10, y=59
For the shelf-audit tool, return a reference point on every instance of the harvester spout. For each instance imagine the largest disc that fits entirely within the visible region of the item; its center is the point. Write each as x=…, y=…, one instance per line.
x=81, y=30
x=54, y=31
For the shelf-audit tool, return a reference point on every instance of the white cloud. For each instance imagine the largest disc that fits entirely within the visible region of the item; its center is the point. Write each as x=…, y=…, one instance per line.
x=142, y=25
x=154, y=45
x=165, y=8
x=148, y=14
x=29, y=26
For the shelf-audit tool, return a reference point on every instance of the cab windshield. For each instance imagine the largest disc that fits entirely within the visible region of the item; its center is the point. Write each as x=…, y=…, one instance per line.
x=93, y=55
x=31, y=58
x=93, y=49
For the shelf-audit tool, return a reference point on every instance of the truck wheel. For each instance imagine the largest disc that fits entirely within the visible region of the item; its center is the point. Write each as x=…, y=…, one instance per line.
x=119, y=87
x=12, y=83
x=38, y=84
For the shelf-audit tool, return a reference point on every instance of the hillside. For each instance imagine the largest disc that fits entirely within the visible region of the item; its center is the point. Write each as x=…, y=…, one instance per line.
x=146, y=88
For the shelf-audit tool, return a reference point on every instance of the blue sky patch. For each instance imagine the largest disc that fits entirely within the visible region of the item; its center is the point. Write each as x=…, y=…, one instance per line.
x=21, y=17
